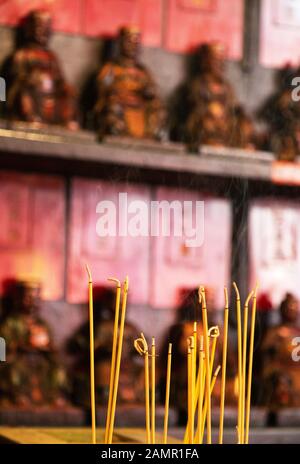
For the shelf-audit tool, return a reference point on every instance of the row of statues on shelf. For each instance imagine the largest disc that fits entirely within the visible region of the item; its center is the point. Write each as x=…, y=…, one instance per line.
x=128, y=103
x=36, y=373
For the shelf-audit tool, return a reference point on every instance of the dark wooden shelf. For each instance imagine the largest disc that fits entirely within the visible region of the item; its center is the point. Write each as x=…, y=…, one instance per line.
x=167, y=157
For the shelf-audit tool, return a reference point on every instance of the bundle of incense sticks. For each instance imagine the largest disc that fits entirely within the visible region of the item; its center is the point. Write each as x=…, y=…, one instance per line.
x=201, y=373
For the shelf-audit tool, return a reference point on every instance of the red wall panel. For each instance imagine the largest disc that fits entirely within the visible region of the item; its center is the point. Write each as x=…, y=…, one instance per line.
x=279, y=32
x=66, y=13
x=104, y=17
x=275, y=248
x=32, y=237
x=176, y=267
x=106, y=256
x=191, y=22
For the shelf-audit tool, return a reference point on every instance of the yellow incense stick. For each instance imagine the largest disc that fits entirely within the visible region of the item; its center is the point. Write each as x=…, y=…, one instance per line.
x=195, y=352
x=191, y=389
x=239, y=340
x=196, y=396
x=202, y=300
x=201, y=390
x=167, y=399
x=245, y=336
x=141, y=346
x=92, y=362
x=204, y=413
x=118, y=360
x=113, y=357
x=250, y=366
x=213, y=334
x=153, y=391
x=224, y=360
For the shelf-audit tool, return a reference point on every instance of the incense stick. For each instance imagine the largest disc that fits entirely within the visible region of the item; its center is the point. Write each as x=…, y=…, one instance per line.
x=167, y=400
x=214, y=334
x=92, y=362
x=239, y=339
x=205, y=409
x=113, y=357
x=191, y=389
x=245, y=336
x=202, y=300
x=250, y=366
x=224, y=360
x=153, y=391
x=201, y=390
x=118, y=360
x=141, y=346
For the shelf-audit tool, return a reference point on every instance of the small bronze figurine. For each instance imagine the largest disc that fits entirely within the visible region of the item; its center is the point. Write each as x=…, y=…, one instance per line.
x=38, y=92
x=128, y=102
x=280, y=373
x=282, y=116
x=30, y=376
x=215, y=117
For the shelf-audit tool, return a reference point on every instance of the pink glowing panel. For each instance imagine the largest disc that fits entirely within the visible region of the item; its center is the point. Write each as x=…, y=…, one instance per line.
x=105, y=17
x=66, y=13
x=32, y=231
x=192, y=22
x=107, y=256
x=275, y=247
x=176, y=266
x=279, y=32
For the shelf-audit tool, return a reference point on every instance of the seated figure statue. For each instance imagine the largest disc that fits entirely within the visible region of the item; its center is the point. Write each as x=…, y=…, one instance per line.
x=128, y=102
x=38, y=92
x=281, y=113
x=214, y=115
x=31, y=375
x=280, y=372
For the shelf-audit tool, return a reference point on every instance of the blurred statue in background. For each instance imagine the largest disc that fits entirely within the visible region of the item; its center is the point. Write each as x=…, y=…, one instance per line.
x=38, y=92
x=282, y=115
x=214, y=115
x=131, y=381
x=188, y=312
x=128, y=102
x=280, y=373
x=30, y=376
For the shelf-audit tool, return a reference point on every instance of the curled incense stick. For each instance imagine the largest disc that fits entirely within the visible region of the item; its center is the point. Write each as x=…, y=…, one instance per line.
x=167, y=400
x=118, y=359
x=250, y=366
x=213, y=333
x=92, y=362
x=113, y=357
x=245, y=336
x=141, y=347
x=202, y=301
x=224, y=360
x=153, y=391
x=239, y=339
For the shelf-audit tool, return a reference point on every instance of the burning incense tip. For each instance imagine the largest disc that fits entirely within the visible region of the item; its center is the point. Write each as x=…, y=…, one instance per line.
x=89, y=274
x=226, y=297
x=217, y=371
x=214, y=332
x=113, y=279
x=236, y=291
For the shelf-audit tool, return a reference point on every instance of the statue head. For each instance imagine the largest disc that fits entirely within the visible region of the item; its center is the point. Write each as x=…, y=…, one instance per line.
x=27, y=297
x=38, y=27
x=289, y=309
x=212, y=58
x=130, y=41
